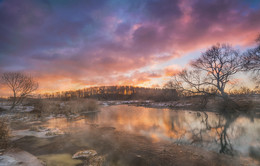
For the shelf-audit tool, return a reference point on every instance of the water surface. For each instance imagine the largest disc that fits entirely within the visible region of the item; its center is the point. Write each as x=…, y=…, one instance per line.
x=234, y=135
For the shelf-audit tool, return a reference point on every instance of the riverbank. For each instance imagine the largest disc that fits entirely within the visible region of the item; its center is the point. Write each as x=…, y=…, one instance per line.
x=247, y=104
x=75, y=106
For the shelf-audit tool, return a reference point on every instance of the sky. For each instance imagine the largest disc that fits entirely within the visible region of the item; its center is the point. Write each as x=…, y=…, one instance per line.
x=72, y=44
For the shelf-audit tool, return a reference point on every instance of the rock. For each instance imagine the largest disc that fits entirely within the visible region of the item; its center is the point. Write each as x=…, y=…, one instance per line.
x=37, y=128
x=91, y=157
x=7, y=160
x=254, y=152
x=35, y=131
x=85, y=154
x=15, y=157
x=54, y=132
x=96, y=161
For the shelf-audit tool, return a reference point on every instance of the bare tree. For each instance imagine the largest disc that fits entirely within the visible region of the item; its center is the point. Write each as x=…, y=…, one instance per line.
x=211, y=72
x=21, y=85
x=252, y=61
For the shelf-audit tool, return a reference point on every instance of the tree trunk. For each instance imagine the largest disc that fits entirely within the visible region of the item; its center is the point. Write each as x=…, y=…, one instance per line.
x=12, y=107
x=14, y=102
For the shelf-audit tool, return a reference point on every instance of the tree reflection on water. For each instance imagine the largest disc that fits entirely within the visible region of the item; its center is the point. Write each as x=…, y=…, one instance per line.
x=205, y=132
x=229, y=133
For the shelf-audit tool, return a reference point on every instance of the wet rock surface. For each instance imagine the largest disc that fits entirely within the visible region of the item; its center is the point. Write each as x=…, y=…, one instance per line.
x=84, y=154
x=17, y=157
x=90, y=157
x=40, y=132
x=96, y=161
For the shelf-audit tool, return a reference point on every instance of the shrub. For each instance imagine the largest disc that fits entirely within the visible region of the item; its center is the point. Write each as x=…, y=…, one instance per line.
x=4, y=134
x=46, y=106
x=80, y=105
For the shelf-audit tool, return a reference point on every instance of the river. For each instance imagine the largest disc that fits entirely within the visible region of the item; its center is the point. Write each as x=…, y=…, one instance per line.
x=136, y=135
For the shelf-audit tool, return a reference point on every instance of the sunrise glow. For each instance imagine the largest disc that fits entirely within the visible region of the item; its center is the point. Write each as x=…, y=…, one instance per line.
x=68, y=45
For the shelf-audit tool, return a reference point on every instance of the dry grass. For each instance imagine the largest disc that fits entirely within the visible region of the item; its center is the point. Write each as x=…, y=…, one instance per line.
x=48, y=107
x=81, y=105
x=4, y=133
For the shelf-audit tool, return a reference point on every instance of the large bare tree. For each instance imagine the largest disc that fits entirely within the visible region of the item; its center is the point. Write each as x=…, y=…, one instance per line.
x=21, y=85
x=211, y=72
x=252, y=61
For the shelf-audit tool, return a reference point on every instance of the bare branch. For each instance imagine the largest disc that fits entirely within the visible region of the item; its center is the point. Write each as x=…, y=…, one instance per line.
x=252, y=61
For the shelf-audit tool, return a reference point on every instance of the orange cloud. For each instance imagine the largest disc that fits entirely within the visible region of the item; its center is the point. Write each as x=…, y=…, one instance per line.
x=172, y=70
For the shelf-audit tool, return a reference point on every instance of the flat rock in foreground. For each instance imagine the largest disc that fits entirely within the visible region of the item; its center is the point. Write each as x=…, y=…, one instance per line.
x=17, y=157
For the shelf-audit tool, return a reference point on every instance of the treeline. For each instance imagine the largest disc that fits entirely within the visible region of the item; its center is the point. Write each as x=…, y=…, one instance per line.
x=117, y=93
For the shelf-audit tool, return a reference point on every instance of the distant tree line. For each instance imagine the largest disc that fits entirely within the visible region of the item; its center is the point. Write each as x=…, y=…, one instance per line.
x=117, y=93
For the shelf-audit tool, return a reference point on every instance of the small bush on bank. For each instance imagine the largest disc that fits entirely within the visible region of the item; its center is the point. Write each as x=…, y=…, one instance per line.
x=4, y=134
x=47, y=106
x=235, y=105
x=81, y=105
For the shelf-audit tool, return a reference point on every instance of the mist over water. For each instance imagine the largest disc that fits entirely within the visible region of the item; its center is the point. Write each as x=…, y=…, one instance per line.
x=202, y=129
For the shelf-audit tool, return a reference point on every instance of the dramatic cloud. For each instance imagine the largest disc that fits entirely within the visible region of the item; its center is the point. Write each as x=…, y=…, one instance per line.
x=73, y=44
